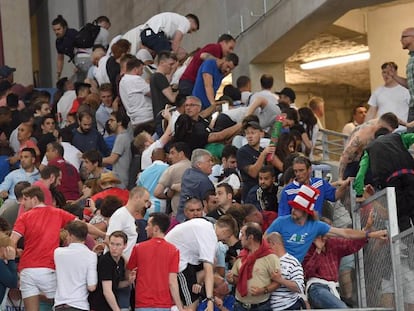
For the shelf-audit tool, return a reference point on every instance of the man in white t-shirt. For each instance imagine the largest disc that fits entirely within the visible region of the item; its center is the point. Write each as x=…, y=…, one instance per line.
x=358, y=117
x=146, y=144
x=196, y=239
x=391, y=97
x=165, y=31
x=124, y=218
x=135, y=92
x=76, y=272
x=66, y=101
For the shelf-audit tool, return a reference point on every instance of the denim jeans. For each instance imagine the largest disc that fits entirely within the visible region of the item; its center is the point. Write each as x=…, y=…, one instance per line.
x=124, y=295
x=321, y=297
x=238, y=306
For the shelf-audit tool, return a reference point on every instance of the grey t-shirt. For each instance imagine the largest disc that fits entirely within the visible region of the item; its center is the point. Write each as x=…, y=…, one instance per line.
x=122, y=147
x=266, y=115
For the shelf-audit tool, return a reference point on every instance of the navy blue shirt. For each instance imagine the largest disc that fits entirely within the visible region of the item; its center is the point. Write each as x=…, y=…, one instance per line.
x=91, y=140
x=194, y=184
x=65, y=45
x=246, y=156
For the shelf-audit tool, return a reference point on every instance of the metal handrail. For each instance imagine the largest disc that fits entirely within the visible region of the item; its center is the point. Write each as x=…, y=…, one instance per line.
x=330, y=144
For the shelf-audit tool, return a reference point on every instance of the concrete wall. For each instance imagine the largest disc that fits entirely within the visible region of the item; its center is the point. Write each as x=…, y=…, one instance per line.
x=15, y=23
x=385, y=25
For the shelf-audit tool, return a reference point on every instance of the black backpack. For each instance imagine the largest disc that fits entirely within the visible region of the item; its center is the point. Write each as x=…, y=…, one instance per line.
x=86, y=36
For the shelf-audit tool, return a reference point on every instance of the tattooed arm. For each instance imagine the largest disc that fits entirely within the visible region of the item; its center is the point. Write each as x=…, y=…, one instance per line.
x=351, y=153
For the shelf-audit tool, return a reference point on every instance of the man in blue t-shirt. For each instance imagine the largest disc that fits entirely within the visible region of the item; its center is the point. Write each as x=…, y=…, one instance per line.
x=302, y=168
x=301, y=227
x=209, y=77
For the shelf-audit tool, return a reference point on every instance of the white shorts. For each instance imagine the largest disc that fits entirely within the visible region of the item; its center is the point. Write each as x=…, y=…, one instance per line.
x=36, y=281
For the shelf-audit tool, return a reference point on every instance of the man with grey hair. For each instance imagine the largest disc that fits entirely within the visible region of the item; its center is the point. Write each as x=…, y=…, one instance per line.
x=201, y=134
x=195, y=182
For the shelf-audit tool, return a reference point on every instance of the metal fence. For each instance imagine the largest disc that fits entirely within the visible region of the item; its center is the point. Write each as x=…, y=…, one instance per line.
x=384, y=269
x=330, y=144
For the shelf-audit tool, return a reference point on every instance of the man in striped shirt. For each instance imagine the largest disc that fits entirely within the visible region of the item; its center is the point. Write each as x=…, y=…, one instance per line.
x=290, y=277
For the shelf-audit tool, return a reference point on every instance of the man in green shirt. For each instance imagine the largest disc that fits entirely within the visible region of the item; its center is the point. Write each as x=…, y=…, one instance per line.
x=391, y=165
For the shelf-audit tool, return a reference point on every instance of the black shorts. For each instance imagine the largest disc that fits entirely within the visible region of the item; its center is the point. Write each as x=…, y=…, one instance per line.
x=186, y=279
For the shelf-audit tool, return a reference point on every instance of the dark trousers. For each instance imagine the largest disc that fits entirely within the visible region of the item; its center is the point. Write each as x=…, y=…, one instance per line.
x=155, y=41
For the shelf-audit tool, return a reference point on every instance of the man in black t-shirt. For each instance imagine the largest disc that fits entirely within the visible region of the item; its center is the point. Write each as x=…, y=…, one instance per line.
x=161, y=91
x=195, y=131
x=251, y=157
x=111, y=275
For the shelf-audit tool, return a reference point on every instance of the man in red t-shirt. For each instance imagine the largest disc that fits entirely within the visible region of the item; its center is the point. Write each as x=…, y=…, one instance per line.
x=71, y=184
x=225, y=45
x=40, y=227
x=50, y=176
x=156, y=263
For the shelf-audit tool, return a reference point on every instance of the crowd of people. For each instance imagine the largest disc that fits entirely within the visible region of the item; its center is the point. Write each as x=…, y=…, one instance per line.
x=135, y=187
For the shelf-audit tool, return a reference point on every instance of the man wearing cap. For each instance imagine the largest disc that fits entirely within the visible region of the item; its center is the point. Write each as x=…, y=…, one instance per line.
x=109, y=182
x=302, y=169
x=6, y=73
x=251, y=157
x=287, y=98
x=301, y=227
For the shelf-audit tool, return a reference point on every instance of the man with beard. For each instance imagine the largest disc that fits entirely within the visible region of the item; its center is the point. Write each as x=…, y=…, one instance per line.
x=71, y=185
x=86, y=138
x=287, y=98
x=50, y=177
x=65, y=38
x=264, y=196
x=209, y=77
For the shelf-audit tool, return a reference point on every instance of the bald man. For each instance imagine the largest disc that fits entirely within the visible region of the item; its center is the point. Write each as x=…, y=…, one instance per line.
x=407, y=43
